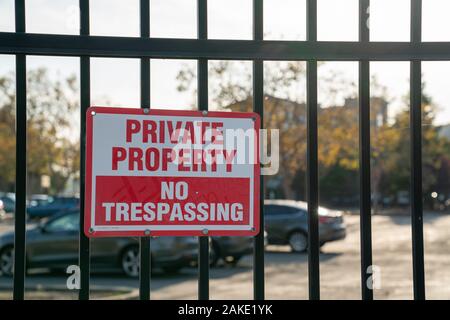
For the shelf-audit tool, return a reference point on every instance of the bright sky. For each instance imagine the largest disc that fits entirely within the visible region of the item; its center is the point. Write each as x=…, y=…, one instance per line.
x=117, y=80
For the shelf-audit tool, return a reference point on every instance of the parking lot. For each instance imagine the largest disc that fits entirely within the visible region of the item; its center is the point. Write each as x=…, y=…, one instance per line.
x=286, y=273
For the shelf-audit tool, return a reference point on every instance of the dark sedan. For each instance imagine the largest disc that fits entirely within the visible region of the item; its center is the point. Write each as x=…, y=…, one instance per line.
x=53, y=206
x=286, y=222
x=9, y=204
x=54, y=245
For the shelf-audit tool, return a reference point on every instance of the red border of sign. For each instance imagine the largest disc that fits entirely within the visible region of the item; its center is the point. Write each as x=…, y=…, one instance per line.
x=136, y=233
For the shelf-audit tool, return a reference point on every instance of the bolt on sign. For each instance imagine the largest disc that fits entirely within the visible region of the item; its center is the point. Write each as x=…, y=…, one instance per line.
x=177, y=173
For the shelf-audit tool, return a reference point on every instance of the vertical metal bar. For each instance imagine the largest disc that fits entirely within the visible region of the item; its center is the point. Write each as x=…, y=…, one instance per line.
x=258, y=107
x=202, y=96
x=145, y=62
x=21, y=161
x=312, y=186
x=203, y=268
x=145, y=269
x=85, y=101
x=145, y=261
x=416, y=156
x=364, y=157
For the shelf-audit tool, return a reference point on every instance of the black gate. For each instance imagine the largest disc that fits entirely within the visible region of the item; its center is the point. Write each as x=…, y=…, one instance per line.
x=144, y=48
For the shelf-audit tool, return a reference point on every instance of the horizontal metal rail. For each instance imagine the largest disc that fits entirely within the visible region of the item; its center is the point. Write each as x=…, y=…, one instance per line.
x=130, y=47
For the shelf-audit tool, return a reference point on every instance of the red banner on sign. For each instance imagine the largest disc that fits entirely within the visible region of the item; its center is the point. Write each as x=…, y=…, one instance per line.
x=141, y=201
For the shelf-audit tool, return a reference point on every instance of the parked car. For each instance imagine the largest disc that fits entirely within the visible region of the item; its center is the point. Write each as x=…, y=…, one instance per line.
x=8, y=201
x=231, y=249
x=54, y=244
x=52, y=206
x=39, y=200
x=2, y=210
x=9, y=205
x=286, y=222
x=403, y=198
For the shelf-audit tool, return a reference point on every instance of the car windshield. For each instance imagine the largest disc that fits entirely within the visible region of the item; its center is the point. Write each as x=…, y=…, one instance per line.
x=63, y=200
x=300, y=206
x=40, y=201
x=7, y=200
x=69, y=222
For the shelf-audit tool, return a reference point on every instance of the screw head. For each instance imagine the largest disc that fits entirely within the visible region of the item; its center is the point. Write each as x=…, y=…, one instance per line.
x=146, y=110
x=91, y=230
x=93, y=113
x=204, y=112
x=205, y=231
x=147, y=232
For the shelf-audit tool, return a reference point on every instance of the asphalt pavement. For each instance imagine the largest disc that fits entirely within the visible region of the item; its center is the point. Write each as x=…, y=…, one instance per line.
x=286, y=273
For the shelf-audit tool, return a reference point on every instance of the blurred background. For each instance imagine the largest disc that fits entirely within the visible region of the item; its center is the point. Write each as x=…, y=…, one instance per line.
x=53, y=150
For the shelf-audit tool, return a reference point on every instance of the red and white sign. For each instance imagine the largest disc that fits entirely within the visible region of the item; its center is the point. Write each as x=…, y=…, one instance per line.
x=165, y=172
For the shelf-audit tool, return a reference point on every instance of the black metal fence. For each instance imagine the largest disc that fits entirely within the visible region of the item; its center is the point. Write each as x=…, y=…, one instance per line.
x=85, y=46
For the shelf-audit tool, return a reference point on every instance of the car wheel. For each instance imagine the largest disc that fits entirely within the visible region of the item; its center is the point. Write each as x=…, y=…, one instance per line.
x=298, y=241
x=130, y=261
x=7, y=261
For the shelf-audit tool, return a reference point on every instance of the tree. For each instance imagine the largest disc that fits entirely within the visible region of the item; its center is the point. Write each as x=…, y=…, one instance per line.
x=284, y=110
x=338, y=152
x=392, y=145
x=51, y=150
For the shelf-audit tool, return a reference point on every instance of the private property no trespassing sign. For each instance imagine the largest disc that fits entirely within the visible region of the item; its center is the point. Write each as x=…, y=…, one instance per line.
x=165, y=172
